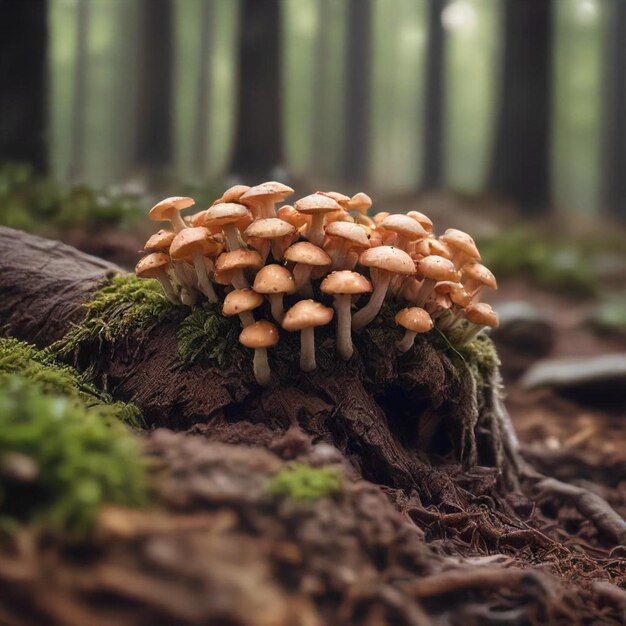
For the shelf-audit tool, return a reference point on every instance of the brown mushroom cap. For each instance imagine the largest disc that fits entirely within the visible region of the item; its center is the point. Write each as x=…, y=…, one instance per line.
x=404, y=226
x=482, y=314
x=262, y=334
x=414, y=319
x=307, y=314
x=288, y=214
x=238, y=260
x=270, y=190
x=162, y=210
x=388, y=258
x=274, y=278
x=340, y=198
x=439, y=248
x=345, y=282
x=316, y=203
x=225, y=213
x=458, y=240
x=479, y=273
x=152, y=265
x=232, y=194
x=269, y=228
x=360, y=202
x=308, y=254
x=192, y=241
x=425, y=222
x=353, y=233
x=160, y=241
x=241, y=300
x=437, y=268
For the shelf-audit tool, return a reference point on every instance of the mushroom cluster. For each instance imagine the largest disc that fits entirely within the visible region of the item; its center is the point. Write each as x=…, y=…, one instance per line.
x=324, y=249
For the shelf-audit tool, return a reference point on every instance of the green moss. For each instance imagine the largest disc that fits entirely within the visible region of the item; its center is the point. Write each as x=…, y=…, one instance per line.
x=303, y=483
x=39, y=367
x=60, y=459
x=610, y=316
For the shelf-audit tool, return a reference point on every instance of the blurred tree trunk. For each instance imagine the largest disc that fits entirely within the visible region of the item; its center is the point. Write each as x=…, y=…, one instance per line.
x=614, y=118
x=23, y=92
x=432, y=142
x=520, y=167
x=258, y=143
x=203, y=93
x=358, y=90
x=153, y=149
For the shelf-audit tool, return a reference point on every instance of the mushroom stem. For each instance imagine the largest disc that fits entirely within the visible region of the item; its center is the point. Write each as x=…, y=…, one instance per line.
x=267, y=209
x=246, y=317
x=204, y=283
x=315, y=232
x=301, y=275
x=307, y=350
x=406, y=342
x=344, y=326
x=188, y=296
x=239, y=280
x=261, y=367
x=425, y=290
x=167, y=288
x=276, y=306
x=177, y=222
x=470, y=333
x=364, y=316
x=181, y=274
x=232, y=237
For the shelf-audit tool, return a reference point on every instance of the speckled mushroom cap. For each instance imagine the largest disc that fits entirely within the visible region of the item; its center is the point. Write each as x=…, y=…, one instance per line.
x=261, y=334
x=274, y=278
x=388, y=258
x=479, y=273
x=269, y=228
x=437, y=268
x=405, y=226
x=360, y=202
x=316, y=203
x=270, y=190
x=355, y=234
x=308, y=254
x=232, y=194
x=164, y=209
x=160, y=241
x=482, y=314
x=345, y=282
x=241, y=300
x=192, y=241
x=459, y=240
x=307, y=314
x=425, y=222
x=415, y=319
x=152, y=265
x=238, y=260
x=225, y=213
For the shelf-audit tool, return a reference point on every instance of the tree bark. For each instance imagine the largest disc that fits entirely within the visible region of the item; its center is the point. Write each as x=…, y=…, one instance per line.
x=23, y=89
x=258, y=142
x=520, y=166
x=358, y=91
x=434, y=98
x=614, y=118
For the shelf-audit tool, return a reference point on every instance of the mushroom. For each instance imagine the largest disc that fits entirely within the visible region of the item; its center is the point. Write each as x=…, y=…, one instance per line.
x=155, y=265
x=263, y=198
x=307, y=257
x=434, y=269
x=343, y=237
x=236, y=262
x=168, y=210
x=242, y=302
x=271, y=231
x=343, y=285
x=160, y=242
x=226, y=215
x=260, y=336
x=195, y=243
x=475, y=277
x=384, y=262
x=316, y=206
x=480, y=316
x=232, y=194
x=288, y=214
x=305, y=316
x=425, y=222
x=406, y=229
x=414, y=320
x=275, y=281
x=461, y=246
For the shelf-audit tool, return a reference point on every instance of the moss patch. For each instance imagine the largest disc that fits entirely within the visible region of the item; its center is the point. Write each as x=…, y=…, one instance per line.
x=60, y=459
x=304, y=483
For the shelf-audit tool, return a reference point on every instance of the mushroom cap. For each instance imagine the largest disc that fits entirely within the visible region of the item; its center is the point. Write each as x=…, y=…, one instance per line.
x=261, y=334
x=164, y=209
x=241, y=300
x=454, y=291
x=458, y=240
x=478, y=272
x=388, y=258
x=274, y=278
x=197, y=219
x=345, y=282
x=380, y=216
x=355, y=234
x=482, y=314
x=424, y=220
x=316, y=203
x=405, y=226
x=223, y=278
x=225, y=213
x=339, y=198
x=232, y=194
x=439, y=248
x=414, y=319
x=307, y=314
x=437, y=268
x=270, y=190
x=360, y=202
x=288, y=214
x=238, y=260
x=152, y=265
x=269, y=228
x=192, y=241
x=308, y=254
x=160, y=241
